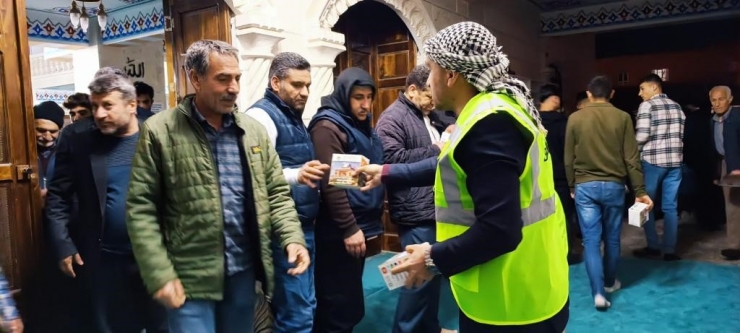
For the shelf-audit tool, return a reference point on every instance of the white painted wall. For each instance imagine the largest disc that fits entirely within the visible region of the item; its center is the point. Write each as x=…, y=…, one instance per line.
x=148, y=56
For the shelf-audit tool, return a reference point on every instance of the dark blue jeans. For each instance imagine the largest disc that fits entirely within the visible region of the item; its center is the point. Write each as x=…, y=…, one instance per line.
x=418, y=308
x=600, y=207
x=234, y=314
x=294, y=297
x=668, y=180
x=120, y=302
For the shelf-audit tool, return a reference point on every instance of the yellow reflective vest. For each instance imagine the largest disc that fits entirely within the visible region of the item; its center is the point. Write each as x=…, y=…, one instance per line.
x=530, y=284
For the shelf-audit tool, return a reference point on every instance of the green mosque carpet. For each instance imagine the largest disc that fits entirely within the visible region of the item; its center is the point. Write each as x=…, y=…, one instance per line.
x=656, y=296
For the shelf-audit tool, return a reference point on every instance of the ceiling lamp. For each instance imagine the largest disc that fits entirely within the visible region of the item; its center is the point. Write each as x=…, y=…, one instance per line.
x=102, y=16
x=74, y=15
x=84, y=19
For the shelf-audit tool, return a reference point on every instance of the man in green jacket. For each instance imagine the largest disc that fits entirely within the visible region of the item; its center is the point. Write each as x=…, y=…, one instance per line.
x=207, y=195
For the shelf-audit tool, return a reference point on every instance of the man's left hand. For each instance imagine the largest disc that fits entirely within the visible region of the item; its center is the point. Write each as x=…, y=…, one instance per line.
x=415, y=265
x=298, y=256
x=735, y=173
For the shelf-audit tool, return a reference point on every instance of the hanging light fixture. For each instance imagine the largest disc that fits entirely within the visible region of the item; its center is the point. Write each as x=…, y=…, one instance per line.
x=74, y=15
x=102, y=16
x=84, y=19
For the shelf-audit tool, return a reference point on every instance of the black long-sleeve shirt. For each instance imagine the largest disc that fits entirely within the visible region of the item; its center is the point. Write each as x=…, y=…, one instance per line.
x=493, y=156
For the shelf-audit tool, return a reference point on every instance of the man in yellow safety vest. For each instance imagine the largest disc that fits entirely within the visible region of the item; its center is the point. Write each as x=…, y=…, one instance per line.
x=501, y=234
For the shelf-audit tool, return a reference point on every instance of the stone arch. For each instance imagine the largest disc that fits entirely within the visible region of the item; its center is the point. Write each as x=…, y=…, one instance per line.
x=412, y=12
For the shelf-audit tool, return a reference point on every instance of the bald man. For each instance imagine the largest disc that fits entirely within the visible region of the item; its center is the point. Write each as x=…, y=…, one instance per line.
x=726, y=134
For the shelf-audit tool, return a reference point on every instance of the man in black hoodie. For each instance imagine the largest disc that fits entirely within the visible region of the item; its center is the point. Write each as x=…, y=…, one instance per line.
x=347, y=218
x=555, y=123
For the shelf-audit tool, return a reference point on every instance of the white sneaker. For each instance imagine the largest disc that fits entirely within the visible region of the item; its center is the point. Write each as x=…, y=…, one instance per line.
x=617, y=285
x=600, y=302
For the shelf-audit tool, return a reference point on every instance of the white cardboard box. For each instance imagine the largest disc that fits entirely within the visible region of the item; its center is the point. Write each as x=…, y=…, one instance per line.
x=638, y=214
x=342, y=168
x=393, y=281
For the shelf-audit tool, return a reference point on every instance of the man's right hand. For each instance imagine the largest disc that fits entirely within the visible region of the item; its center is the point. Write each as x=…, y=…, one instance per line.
x=355, y=244
x=312, y=172
x=67, y=266
x=372, y=173
x=172, y=295
x=646, y=200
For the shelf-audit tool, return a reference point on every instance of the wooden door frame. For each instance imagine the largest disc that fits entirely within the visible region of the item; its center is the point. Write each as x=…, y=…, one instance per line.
x=173, y=41
x=22, y=155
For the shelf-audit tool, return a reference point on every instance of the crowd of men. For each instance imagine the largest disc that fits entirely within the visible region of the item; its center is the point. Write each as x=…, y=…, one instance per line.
x=190, y=219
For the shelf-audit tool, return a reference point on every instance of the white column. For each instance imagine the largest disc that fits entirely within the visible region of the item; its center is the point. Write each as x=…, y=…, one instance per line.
x=256, y=40
x=323, y=48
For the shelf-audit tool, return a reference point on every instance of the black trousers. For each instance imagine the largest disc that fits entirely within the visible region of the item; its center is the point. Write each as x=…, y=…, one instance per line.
x=120, y=302
x=569, y=207
x=556, y=324
x=340, y=299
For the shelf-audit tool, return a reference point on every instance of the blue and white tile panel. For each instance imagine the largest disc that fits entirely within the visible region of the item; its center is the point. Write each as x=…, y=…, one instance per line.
x=141, y=20
x=53, y=28
x=632, y=12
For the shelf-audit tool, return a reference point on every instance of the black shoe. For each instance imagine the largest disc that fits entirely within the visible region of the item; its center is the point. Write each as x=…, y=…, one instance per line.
x=671, y=257
x=646, y=253
x=575, y=258
x=731, y=254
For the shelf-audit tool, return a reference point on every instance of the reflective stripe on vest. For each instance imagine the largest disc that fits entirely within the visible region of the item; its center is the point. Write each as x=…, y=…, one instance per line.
x=529, y=284
x=456, y=213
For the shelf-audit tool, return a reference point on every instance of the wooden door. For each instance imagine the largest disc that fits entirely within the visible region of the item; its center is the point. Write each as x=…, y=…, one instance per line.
x=388, y=52
x=21, y=236
x=189, y=21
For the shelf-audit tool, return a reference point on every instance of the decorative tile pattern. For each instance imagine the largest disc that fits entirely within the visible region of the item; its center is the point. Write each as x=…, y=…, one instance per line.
x=137, y=24
x=66, y=5
x=58, y=96
x=55, y=31
x=632, y=12
x=65, y=10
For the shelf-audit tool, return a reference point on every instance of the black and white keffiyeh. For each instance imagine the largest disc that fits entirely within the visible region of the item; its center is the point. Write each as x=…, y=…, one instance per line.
x=470, y=49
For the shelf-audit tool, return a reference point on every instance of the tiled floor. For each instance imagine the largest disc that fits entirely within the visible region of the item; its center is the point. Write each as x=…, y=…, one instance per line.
x=693, y=243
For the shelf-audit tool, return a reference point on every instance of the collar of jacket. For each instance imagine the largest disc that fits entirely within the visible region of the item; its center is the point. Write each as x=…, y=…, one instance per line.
x=285, y=108
x=186, y=108
x=410, y=105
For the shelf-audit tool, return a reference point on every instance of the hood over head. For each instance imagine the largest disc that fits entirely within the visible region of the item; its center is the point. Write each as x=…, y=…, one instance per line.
x=338, y=100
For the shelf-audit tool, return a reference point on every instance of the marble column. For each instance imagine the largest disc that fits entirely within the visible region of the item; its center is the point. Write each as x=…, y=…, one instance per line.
x=256, y=40
x=323, y=48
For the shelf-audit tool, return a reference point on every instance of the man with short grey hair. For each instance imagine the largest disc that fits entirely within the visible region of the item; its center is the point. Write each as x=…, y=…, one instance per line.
x=93, y=164
x=726, y=134
x=280, y=110
x=141, y=113
x=206, y=197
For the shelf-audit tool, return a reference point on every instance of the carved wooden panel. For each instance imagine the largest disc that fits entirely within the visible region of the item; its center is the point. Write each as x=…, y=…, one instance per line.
x=192, y=21
x=20, y=201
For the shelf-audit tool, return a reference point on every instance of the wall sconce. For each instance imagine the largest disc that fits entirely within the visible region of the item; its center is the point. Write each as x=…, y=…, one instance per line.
x=80, y=18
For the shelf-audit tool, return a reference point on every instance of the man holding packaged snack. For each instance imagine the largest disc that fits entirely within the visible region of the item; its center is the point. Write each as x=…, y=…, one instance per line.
x=347, y=218
x=280, y=110
x=600, y=153
x=497, y=210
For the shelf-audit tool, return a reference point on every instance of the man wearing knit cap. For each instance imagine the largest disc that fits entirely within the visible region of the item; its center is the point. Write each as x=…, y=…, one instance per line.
x=48, y=121
x=500, y=225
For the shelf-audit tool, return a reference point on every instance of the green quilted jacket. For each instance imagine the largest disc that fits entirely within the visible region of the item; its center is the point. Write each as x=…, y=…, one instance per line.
x=175, y=218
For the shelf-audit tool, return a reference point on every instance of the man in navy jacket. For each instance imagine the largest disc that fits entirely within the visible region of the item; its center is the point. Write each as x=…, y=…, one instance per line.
x=726, y=135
